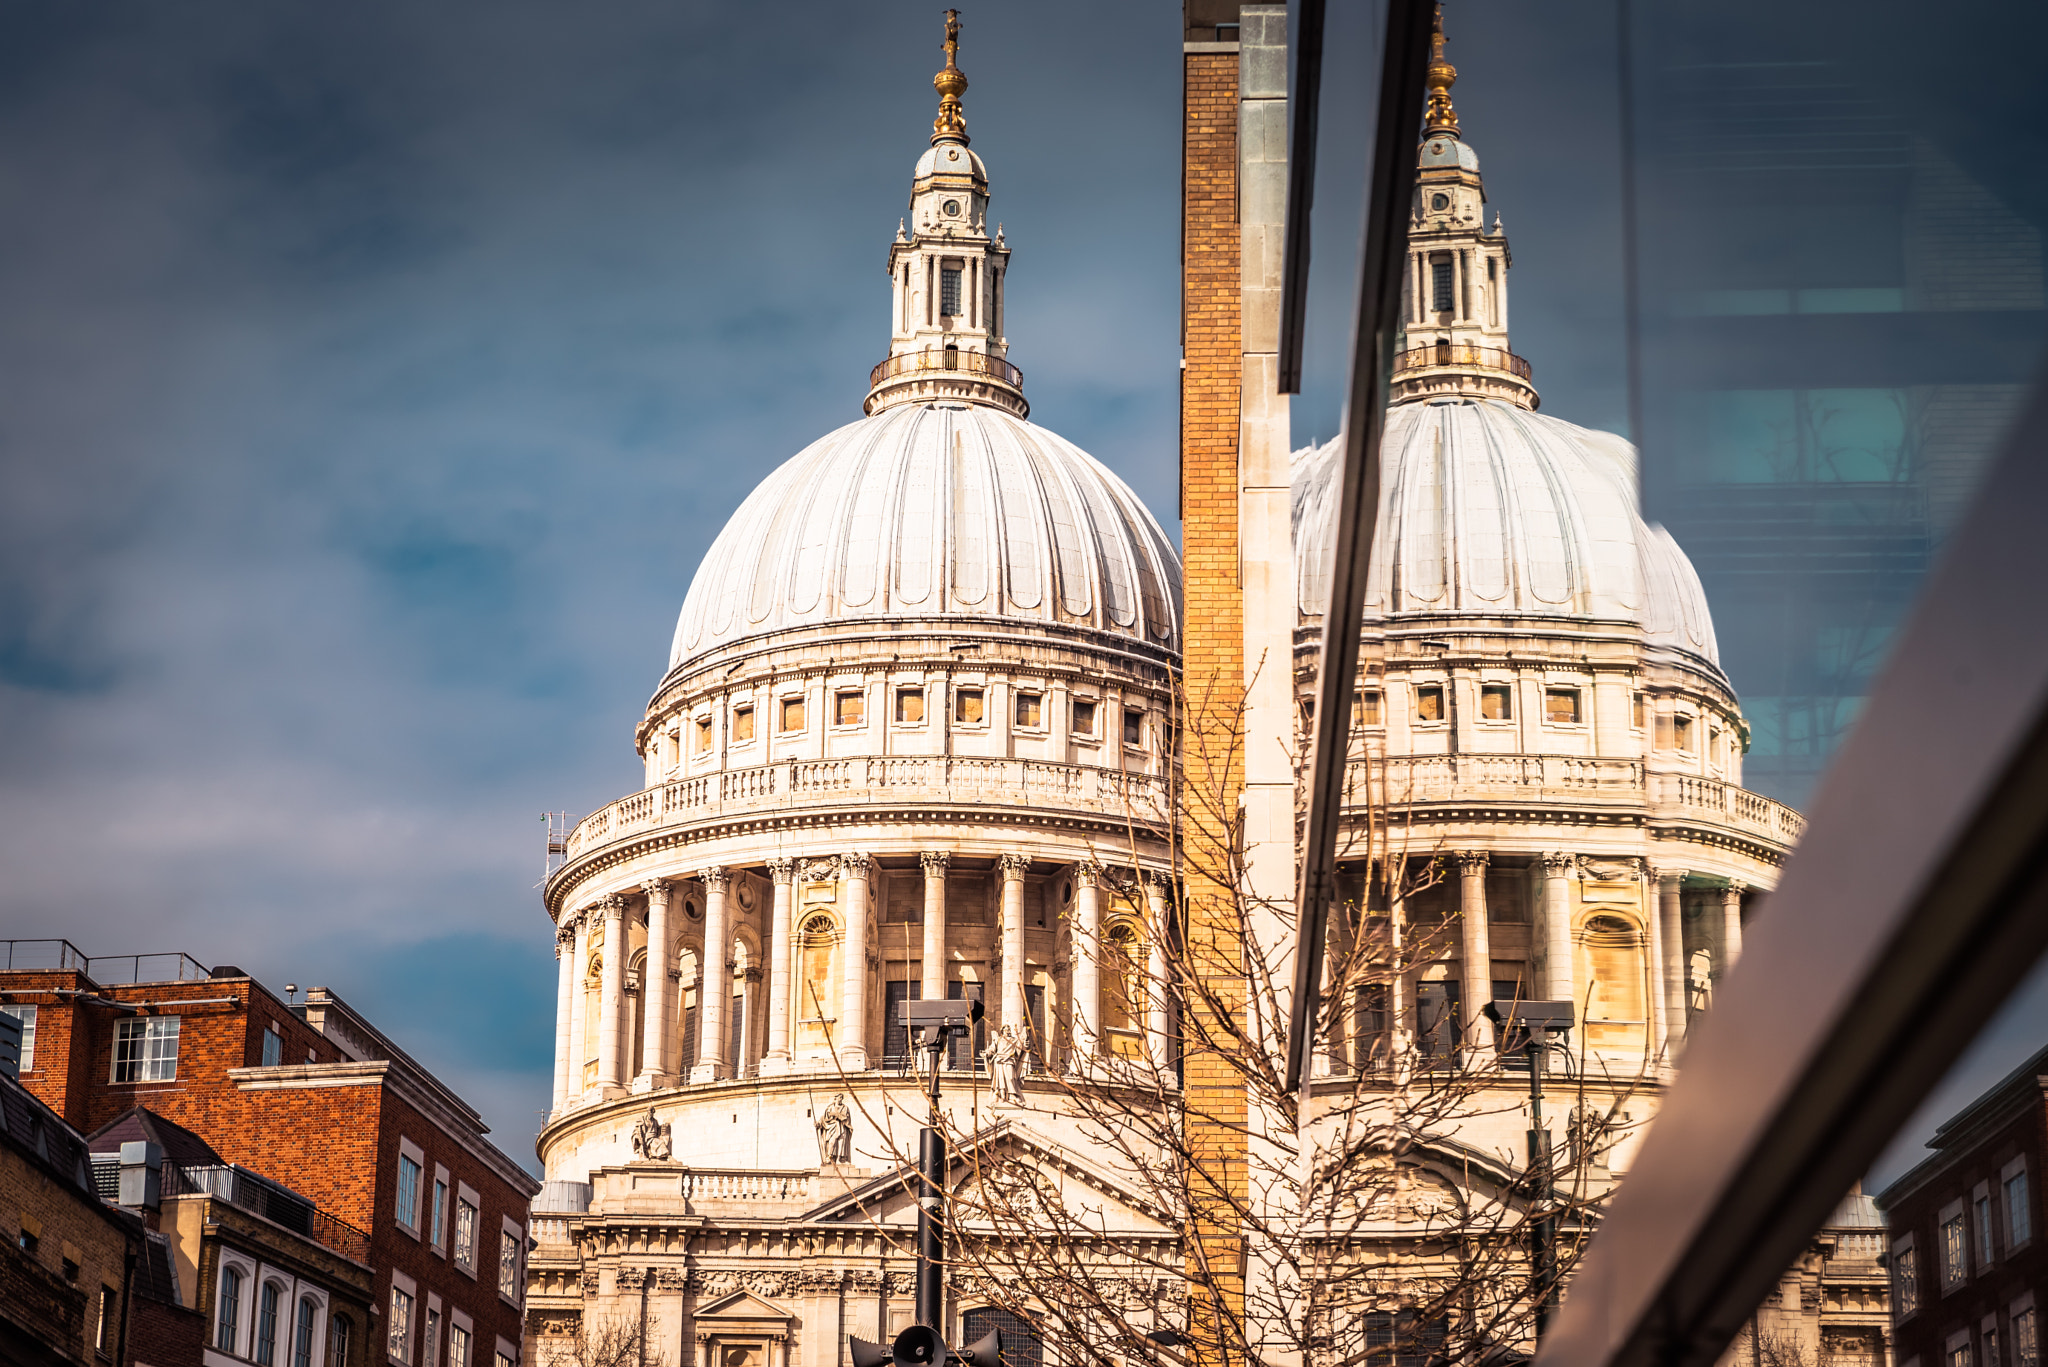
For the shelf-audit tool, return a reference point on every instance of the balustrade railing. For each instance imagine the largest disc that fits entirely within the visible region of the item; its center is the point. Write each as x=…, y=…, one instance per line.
x=876, y=779
x=260, y=1196
x=940, y=359
x=1462, y=354
x=1440, y=778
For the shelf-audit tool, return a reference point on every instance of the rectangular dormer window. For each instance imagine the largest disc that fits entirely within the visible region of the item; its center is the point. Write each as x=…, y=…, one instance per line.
x=1440, y=284
x=949, y=292
x=743, y=723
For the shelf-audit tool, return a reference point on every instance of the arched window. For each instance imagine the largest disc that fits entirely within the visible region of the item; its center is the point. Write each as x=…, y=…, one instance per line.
x=1616, y=994
x=268, y=1302
x=339, y=1330
x=1021, y=1346
x=636, y=1014
x=817, y=991
x=686, y=964
x=1123, y=990
x=593, y=1012
x=228, y=1322
x=302, y=1332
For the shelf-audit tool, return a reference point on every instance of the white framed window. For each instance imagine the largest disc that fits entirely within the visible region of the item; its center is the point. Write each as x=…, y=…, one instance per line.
x=511, y=1251
x=466, y=1204
x=849, y=707
x=273, y=1302
x=398, y=1328
x=437, y=1211
x=1955, y=1247
x=340, y=1330
x=1905, y=1278
x=273, y=1045
x=405, y=1204
x=2019, y=1206
x=146, y=1049
x=309, y=1337
x=27, y=1016
x=234, y=1298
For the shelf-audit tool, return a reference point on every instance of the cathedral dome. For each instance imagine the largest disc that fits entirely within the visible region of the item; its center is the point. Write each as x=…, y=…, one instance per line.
x=950, y=159
x=1488, y=510
x=1447, y=151
x=937, y=510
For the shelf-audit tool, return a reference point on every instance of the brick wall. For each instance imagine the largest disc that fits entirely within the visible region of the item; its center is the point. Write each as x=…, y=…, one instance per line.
x=36, y=1297
x=1213, y=659
x=1988, y=1290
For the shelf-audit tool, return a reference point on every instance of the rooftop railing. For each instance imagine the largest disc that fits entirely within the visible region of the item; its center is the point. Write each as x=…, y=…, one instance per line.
x=1462, y=354
x=939, y=359
x=46, y=956
x=272, y=1201
x=61, y=956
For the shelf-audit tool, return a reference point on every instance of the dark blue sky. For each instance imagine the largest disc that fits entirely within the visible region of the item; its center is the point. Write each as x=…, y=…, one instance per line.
x=372, y=378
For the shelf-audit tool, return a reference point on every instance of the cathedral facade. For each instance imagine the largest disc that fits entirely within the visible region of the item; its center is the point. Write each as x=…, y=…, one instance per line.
x=921, y=737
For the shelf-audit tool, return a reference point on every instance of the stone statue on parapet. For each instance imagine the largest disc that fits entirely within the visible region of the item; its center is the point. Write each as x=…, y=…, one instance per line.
x=835, y=1132
x=651, y=1140
x=1005, y=1055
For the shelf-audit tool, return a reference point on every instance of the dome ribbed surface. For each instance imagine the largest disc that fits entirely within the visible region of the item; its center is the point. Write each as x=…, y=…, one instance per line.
x=1489, y=510
x=936, y=511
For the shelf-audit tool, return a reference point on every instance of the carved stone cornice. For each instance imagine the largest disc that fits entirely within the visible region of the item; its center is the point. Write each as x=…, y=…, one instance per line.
x=782, y=871
x=820, y=870
x=1013, y=866
x=935, y=862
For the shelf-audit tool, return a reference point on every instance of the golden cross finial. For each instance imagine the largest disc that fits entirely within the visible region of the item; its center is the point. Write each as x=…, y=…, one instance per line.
x=1440, y=117
x=951, y=85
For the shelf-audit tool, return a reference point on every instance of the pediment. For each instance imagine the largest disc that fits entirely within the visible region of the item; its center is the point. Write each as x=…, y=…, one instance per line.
x=743, y=1308
x=1080, y=1184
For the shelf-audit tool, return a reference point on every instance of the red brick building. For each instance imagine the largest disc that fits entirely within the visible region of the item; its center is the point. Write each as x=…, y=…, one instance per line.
x=1966, y=1242
x=311, y=1097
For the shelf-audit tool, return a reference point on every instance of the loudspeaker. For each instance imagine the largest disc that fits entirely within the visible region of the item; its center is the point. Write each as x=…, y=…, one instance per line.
x=986, y=1351
x=919, y=1346
x=866, y=1354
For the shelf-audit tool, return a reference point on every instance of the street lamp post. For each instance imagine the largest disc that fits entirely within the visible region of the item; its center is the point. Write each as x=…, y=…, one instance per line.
x=1530, y=1026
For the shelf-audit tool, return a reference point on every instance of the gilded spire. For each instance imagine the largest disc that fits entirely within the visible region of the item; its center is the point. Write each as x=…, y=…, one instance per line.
x=1440, y=117
x=951, y=84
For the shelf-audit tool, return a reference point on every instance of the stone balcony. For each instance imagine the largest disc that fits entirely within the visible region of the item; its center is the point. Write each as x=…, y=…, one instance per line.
x=1422, y=782
x=879, y=782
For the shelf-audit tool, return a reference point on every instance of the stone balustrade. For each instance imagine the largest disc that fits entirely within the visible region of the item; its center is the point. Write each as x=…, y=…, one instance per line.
x=879, y=780
x=1426, y=779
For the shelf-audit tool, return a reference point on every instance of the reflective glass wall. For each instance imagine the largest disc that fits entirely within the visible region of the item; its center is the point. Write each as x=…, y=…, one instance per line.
x=1840, y=217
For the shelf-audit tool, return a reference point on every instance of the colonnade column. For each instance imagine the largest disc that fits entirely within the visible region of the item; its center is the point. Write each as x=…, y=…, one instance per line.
x=714, y=980
x=1013, y=866
x=654, y=997
x=853, y=993
x=611, y=992
x=1660, y=1004
x=579, y=974
x=783, y=872
x=1671, y=921
x=1158, y=1016
x=1557, y=928
x=1087, y=950
x=1731, y=925
x=565, y=975
x=1476, y=952
x=932, y=984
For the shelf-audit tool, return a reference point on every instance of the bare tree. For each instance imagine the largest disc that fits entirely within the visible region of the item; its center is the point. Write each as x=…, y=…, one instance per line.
x=617, y=1342
x=1367, y=1228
